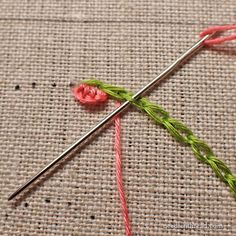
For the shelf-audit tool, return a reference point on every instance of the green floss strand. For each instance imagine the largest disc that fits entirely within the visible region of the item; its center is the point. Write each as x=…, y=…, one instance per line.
x=176, y=128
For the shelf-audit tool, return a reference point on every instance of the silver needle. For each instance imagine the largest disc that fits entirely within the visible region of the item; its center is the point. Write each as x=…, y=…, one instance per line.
x=199, y=44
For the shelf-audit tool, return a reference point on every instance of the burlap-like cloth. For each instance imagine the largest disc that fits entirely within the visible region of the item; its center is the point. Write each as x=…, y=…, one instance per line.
x=47, y=45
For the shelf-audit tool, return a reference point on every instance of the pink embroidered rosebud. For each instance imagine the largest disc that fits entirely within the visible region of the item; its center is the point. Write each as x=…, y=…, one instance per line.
x=87, y=94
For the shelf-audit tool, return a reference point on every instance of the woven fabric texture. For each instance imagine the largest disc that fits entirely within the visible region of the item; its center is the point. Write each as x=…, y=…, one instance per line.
x=46, y=46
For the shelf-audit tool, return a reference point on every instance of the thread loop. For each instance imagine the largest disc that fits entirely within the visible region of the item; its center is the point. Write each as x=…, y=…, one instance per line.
x=217, y=29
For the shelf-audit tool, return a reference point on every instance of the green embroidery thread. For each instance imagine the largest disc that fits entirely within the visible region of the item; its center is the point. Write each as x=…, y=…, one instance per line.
x=176, y=128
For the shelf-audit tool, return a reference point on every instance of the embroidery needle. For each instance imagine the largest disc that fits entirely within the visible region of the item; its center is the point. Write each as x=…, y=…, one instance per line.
x=194, y=48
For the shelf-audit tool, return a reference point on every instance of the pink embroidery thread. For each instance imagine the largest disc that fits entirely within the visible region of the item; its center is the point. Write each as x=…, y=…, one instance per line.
x=218, y=40
x=87, y=94
x=119, y=176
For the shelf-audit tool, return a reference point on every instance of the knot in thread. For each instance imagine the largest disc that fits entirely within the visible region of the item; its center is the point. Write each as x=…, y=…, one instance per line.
x=87, y=94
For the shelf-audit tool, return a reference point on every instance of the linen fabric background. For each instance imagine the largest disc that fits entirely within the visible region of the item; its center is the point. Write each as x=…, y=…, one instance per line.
x=47, y=46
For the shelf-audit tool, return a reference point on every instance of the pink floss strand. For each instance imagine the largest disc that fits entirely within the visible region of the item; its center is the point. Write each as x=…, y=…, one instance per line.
x=87, y=94
x=218, y=40
x=119, y=178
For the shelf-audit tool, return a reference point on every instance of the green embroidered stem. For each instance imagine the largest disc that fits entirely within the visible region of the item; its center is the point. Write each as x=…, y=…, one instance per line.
x=176, y=128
